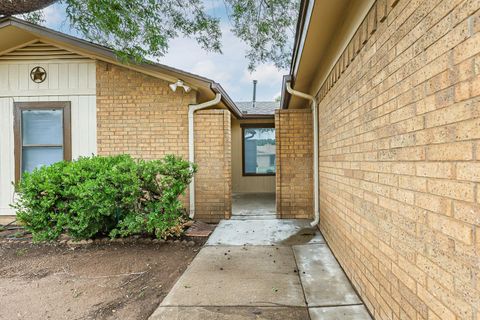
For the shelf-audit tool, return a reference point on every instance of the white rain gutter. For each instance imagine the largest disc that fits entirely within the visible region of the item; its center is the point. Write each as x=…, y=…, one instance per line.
x=315, y=150
x=306, y=24
x=191, y=142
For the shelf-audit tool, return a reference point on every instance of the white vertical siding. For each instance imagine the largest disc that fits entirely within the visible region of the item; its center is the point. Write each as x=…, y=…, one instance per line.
x=63, y=78
x=73, y=81
x=7, y=172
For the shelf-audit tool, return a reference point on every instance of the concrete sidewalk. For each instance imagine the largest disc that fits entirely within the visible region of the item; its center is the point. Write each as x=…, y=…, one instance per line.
x=263, y=269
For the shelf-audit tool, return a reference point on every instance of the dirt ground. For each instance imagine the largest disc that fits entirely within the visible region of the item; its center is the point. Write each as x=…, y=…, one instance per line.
x=104, y=281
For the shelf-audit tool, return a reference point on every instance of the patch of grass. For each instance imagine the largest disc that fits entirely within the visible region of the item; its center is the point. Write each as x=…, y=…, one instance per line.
x=21, y=252
x=18, y=234
x=142, y=293
x=2, y=228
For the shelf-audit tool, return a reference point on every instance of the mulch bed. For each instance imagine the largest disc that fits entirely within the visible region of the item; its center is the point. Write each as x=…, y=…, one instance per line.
x=100, y=279
x=194, y=230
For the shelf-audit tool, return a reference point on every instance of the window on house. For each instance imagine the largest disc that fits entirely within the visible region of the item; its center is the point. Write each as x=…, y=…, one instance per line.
x=42, y=134
x=258, y=149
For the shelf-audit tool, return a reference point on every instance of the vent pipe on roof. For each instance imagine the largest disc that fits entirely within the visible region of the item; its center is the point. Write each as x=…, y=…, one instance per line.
x=254, y=93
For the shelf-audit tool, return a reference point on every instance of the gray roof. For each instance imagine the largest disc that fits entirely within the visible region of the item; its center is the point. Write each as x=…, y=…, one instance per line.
x=261, y=107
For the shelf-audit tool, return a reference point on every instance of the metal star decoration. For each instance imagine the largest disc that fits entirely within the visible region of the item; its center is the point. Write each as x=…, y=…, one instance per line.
x=38, y=74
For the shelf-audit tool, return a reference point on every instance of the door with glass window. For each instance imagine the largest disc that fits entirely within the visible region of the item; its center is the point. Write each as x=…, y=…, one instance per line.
x=42, y=134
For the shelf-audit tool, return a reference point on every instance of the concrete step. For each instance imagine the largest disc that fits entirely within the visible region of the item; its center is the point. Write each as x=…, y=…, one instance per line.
x=264, y=233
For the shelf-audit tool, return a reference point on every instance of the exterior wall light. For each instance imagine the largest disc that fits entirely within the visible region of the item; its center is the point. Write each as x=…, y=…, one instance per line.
x=179, y=83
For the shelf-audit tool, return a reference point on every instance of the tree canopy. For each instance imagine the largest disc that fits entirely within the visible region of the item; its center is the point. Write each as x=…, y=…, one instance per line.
x=140, y=28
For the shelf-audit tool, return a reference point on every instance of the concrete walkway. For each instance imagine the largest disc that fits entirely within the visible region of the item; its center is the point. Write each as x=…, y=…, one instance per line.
x=263, y=269
x=253, y=206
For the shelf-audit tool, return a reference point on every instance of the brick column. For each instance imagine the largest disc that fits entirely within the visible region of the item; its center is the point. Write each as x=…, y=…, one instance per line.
x=294, y=153
x=213, y=181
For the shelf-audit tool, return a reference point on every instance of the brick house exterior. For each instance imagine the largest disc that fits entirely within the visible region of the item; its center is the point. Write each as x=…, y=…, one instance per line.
x=399, y=135
x=139, y=115
x=116, y=109
x=397, y=83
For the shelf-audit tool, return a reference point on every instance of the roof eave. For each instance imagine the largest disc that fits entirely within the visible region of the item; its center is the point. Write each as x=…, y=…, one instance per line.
x=109, y=55
x=98, y=50
x=285, y=99
x=300, y=29
x=217, y=88
x=252, y=116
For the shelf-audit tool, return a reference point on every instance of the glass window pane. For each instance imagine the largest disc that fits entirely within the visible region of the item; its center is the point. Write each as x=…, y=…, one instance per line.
x=35, y=157
x=259, y=150
x=42, y=126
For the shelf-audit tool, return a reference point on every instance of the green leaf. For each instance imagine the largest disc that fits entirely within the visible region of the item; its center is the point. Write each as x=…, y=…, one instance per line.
x=136, y=29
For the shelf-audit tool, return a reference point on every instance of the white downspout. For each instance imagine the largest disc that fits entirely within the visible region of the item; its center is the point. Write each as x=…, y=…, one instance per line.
x=191, y=142
x=315, y=150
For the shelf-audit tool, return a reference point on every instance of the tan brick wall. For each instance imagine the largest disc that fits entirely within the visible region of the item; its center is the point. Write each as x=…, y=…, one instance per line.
x=213, y=184
x=399, y=160
x=294, y=156
x=139, y=115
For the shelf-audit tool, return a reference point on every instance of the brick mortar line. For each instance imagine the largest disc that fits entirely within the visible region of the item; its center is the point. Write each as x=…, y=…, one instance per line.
x=452, y=179
x=473, y=100
x=388, y=75
x=414, y=191
x=373, y=245
x=360, y=117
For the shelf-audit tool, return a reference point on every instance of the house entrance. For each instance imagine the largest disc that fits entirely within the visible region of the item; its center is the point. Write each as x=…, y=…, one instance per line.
x=253, y=206
x=253, y=169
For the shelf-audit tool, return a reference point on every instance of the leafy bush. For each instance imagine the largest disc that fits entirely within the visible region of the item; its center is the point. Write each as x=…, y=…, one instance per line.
x=116, y=195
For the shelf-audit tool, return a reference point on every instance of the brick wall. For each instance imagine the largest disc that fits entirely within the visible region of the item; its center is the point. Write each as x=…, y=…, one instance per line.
x=399, y=160
x=139, y=115
x=213, y=182
x=294, y=156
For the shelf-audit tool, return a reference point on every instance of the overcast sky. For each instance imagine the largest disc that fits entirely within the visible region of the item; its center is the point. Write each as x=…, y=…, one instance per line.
x=229, y=69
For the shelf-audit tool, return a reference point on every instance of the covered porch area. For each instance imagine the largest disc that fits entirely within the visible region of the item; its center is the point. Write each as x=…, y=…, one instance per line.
x=253, y=206
x=272, y=165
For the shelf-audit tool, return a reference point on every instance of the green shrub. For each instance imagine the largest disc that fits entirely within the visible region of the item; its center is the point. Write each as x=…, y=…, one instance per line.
x=117, y=195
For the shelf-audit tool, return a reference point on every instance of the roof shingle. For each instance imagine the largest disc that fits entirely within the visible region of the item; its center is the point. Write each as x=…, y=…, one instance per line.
x=261, y=107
